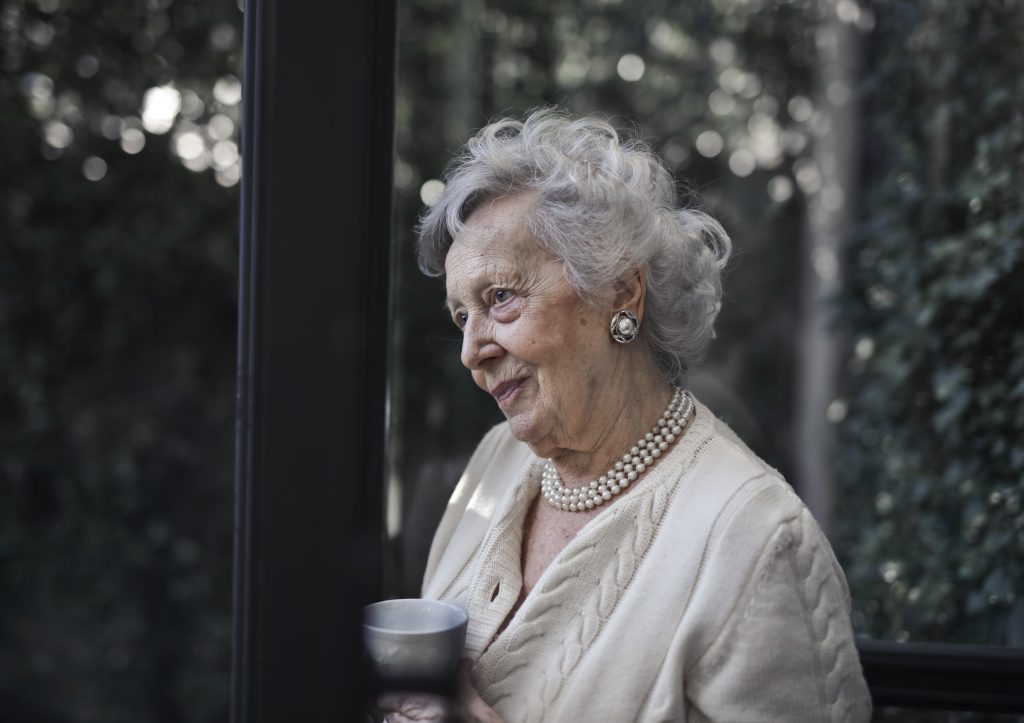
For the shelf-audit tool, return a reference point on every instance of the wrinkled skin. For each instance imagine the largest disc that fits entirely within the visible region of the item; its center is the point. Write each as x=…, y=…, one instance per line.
x=577, y=397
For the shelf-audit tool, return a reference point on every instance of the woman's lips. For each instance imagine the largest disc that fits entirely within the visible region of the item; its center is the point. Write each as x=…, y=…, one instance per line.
x=504, y=391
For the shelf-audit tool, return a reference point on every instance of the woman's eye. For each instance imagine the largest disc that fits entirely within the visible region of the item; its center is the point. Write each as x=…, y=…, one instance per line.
x=502, y=295
x=460, y=318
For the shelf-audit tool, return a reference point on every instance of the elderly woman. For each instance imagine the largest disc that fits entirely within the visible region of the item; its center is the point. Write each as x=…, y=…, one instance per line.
x=622, y=555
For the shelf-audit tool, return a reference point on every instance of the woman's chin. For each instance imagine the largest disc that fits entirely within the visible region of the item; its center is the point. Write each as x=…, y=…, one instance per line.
x=525, y=429
x=520, y=426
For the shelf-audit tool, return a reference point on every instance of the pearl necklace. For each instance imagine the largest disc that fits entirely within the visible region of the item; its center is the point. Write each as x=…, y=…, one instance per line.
x=625, y=471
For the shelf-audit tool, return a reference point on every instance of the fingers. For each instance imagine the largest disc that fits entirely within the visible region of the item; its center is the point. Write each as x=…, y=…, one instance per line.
x=413, y=708
x=423, y=708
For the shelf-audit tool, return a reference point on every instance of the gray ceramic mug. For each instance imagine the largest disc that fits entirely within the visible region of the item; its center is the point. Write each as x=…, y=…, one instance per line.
x=414, y=638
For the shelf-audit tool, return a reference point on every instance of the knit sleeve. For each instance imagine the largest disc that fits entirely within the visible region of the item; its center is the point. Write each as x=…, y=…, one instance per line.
x=786, y=651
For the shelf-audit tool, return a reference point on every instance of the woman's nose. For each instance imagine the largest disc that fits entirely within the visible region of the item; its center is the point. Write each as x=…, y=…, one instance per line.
x=478, y=345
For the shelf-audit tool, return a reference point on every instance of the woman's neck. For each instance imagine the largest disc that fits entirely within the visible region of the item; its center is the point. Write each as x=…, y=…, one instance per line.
x=628, y=413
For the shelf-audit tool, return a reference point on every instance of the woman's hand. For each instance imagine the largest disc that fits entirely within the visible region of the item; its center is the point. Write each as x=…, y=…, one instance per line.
x=414, y=708
x=422, y=708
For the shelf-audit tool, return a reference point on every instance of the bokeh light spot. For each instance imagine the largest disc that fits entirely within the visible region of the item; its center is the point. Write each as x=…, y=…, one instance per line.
x=630, y=67
x=675, y=153
x=800, y=109
x=670, y=39
x=224, y=154
x=222, y=37
x=780, y=189
x=836, y=411
x=160, y=106
x=573, y=69
x=192, y=105
x=742, y=163
x=198, y=164
x=765, y=140
x=220, y=127
x=430, y=191
x=229, y=176
x=94, y=168
x=189, y=145
x=37, y=85
x=723, y=51
x=57, y=134
x=721, y=103
x=403, y=173
x=87, y=65
x=111, y=126
x=132, y=140
x=864, y=348
x=848, y=11
x=709, y=144
x=228, y=90
x=40, y=34
x=807, y=175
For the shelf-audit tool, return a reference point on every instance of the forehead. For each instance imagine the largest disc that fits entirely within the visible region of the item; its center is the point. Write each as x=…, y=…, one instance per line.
x=496, y=237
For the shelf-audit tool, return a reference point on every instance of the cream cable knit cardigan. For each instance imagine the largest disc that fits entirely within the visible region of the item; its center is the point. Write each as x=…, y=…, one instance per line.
x=707, y=593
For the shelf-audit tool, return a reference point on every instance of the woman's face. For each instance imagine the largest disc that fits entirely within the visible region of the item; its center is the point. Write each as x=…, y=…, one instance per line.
x=528, y=340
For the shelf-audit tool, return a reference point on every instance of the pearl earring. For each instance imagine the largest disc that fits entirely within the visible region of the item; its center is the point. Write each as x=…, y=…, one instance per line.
x=624, y=326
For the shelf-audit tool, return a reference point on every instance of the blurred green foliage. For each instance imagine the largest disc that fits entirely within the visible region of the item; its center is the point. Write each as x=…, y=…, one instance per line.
x=931, y=459
x=117, y=349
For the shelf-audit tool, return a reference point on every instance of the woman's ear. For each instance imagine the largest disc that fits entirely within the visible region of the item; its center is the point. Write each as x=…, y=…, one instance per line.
x=630, y=293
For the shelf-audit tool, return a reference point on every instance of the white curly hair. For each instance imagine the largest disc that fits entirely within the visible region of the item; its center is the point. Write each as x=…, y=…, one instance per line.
x=606, y=207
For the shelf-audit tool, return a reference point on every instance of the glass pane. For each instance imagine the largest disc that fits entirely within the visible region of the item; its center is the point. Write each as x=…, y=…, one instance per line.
x=118, y=222
x=870, y=346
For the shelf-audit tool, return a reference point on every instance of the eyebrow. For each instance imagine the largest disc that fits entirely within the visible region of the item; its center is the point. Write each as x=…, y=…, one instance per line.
x=449, y=305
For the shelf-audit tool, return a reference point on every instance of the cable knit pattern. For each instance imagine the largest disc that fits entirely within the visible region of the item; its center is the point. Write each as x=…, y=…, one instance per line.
x=797, y=558
x=705, y=593
x=587, y=619
x=828, y=615
x=501, y=549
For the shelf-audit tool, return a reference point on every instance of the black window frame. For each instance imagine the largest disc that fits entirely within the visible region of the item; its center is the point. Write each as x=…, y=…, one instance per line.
x=313, y=332
x=316, y=218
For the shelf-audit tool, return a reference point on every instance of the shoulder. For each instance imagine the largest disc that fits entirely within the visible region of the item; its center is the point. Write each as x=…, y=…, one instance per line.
x=764, y=516
x=778, y=620
x=771, y=602
x=755, y=499
x=742, y=499
x=762, y=520
x=756, y=523
x=497, y=464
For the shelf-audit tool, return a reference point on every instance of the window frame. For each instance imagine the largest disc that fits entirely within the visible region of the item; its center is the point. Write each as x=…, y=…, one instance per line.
x=944, y=676
x=316, y=204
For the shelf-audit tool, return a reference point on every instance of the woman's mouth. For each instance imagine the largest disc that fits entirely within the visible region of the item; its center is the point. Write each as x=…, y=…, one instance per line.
x=506, y=390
